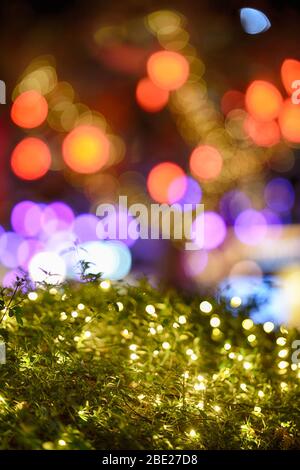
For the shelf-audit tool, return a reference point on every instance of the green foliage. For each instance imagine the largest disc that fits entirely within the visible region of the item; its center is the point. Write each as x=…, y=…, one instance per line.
x=91, y=368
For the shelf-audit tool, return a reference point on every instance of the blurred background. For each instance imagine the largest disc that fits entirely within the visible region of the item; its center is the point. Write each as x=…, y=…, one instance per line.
x=164, y=102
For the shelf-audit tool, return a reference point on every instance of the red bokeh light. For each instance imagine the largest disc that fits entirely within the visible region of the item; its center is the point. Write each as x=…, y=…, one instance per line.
x=263, y=134
x=290, y=71
x=289, y=121
x=168, y=70
x=29, y=110
x=206, y=162
x=160, y=179
x=31, y=159
x=150, y=97
x=263, y=101
x=232, y=99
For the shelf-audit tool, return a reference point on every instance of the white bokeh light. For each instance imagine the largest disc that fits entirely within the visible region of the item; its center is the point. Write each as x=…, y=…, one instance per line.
x=47, y=266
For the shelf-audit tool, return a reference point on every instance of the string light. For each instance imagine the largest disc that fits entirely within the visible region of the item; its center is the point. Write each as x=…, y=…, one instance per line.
x=206, y=307
x=247, y=324
x=166, y=345
x=268, y=327
x=235, y=302
x=32, y=296
x=105, y=285
x=182, y=320
x=215, y=321
x=281, y=341
x=150, y=309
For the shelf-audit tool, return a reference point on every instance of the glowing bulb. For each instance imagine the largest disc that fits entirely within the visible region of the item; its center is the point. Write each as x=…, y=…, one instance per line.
x=133, y=347
x=260, y=394
x=192, y=433
x=235, y=302
x=105, y=285
x=281, y=341
x=120, y=306
x=215, y=322
x=283, y=353
x=251, y=338
x=134, y=357
x=227, y=346
x=205, y=307
x=87, y=334
x=166, y=345
x=32, y=296
x=74, y=314
x=268, y=327
x=283, y=365
x=150, y=309
x=62, y=443
x=247, y=324
x=247, y=365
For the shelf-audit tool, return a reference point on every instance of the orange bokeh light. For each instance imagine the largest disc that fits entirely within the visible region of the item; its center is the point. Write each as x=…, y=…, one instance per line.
x=263, y=100
x=86, y=149
x=160, y=179
x=29, y=110
x=290, y=71
x=206, y=162
x=289, y=121
x=263, y=134
x=150, y=97
x=232, y=99
x=31, y=159
x=168, y=70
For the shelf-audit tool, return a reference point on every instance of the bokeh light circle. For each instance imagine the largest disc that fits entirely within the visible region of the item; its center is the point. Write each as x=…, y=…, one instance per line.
x=289, y=121
x=250, y=227
x=208, y=230
x=150, y=97
x=26, y=218
x=31, y=159
x=279, y=195
x=263, y=100
x=168, y=70
x=86, y=149
x=47, y=266
x=29, y=109
x=290, y=71
x=161, y=177
x=263, y=134
x=206, y=162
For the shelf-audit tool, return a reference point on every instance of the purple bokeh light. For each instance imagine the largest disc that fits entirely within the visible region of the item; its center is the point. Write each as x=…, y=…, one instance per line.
x=250, y=227
x=279, y=195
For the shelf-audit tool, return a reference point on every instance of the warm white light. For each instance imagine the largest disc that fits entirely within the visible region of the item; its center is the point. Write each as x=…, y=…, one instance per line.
x=215, y=322
x=235, y=302
x=247, y=324
x=150, y=309
x=268, y=326
x=205, y=306
x=47, y=266
x=32, y=296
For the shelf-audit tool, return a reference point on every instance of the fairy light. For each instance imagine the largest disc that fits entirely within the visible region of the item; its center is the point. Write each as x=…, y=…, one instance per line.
x=283, y=365
x=155, y=353
x=125, y=333
x=240, y=357
x=200, y=378
x=189, y=352
x=243, y=387
x=87, y=319
x=141, y=397
x=32, y=296
x=215, y=321
x=260, y=393
x=76, y=339
x=283, y=353
x=186, y=374
x=87, y=334
x=281, y=341
x=182, y=320
x=283, y=386
x=105, y=285
x=268, y=327
x=150, y=309
x=257, y=409
x=134, y=356
x=53, y=291
x=247, y=365
x=200, y=386
x=81, y=306
x=200, y=405
x=251, y=338
x=120, y=306
x=235, y=302
x=152, y=331
x=63, y=316
x=205, y=306
x=166, y=345
x=232, y=355
x=74, y=314
x=294, y=366
x=133, y=347
x=175, y=325
x=159, y=328
x=192, y=433
x=62, y=443
x=247, y=324
x=194, y=357
x=217, y=408
x=227, y=346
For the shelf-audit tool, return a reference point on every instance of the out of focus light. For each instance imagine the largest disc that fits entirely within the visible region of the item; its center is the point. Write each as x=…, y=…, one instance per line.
x=214, y=230
x=232, y=204
x=290, y=71
x=112, y=259
x=47, y=267
x=31, y=159
x=9, y=244
x=192, y=193
x=232, y=99
x=150, y=97
x=194, y=262
x=206, y=162
x=263, y=134
x=26, y=218
x=205, y=306
x=85, y=227
x=29, y=109
x=279, y=195
x=56, y=216
x=263, y=100
x=289, y=121
x=168, y=70
x=250, y=227
x=86, y=149
x=161, y=178
x=254, y=21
